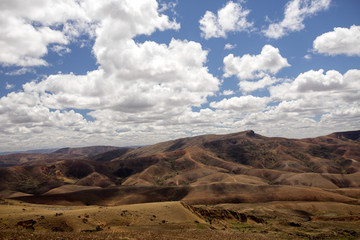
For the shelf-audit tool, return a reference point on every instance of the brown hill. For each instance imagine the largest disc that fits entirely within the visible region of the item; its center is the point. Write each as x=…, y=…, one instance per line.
x=333, y=160
x=239, y=167
x=61, y=154
x=88, y=151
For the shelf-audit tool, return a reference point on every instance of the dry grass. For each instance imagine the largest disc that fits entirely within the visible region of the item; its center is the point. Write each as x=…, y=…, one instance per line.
x=165, y=220
x=174, y=220
x=138, y=233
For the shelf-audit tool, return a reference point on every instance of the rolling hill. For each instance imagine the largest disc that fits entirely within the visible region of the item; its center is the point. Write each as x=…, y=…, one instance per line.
x=232, y=168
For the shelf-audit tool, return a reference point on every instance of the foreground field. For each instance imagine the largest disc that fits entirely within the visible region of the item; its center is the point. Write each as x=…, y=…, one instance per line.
x=178, y=220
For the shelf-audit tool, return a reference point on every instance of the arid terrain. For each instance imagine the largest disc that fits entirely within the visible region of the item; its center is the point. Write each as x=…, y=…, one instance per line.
x=235, y=186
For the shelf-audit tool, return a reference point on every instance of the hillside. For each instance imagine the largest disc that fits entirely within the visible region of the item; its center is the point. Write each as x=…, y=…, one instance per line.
x=32, y=158
x=239, y=167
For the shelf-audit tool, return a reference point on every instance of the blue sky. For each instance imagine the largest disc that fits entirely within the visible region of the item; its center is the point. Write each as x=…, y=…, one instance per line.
x=78, y=73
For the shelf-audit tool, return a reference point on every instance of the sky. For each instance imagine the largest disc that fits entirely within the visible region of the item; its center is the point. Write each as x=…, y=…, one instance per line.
x=137, y=72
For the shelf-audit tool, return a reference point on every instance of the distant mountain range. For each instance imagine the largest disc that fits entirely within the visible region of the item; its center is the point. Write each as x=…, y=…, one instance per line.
x=51, y=150
x=31, y=151
x=239, y=167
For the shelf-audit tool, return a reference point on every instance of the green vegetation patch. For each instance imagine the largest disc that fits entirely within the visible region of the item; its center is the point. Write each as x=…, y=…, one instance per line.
x=241, y=226
x=200, y=226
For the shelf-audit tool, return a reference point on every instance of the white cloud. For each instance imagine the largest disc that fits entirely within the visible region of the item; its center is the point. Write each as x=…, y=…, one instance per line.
x=46, y=12
x=313, y=104
x=60, y=49
x=331, y=96
x=243, y=103
x=255, y=66
x=145, y=90
x=340, y=41
x=133, y=76
x=138, y=86
x=230, y=18
x=229, y=46
x=168, y=6
x=335, y=118
x=317, y=81
x=23, y=110
x=143, y=77
x=142, y=87
x=228, y=92
x=27, y=28
x=332, y=84
x=20, y=71
x=295, y=13
x=307, y=56
x=250, y=86
x=77, y=28
x=9, y=86
x=143, y=16
x=25, y=51
x=316, y=92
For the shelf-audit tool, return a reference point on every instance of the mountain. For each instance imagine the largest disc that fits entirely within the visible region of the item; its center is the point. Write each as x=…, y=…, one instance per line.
x=48, y=150
x=37, y=157
x=238, y=167
x=88, y=151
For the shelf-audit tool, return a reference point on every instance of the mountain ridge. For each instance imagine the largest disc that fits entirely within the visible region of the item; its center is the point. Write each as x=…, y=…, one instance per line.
x=242, y=166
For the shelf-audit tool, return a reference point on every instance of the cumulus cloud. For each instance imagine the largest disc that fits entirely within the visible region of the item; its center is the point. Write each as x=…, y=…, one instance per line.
x=318, y=81
x=131, y=17
x=331, y=84
x=243, y=103
x=295, y=13
x=143, y=91
x=255, y=66
x=23, y=110
x=230, y=18
x=28, y=28
x=250, y=86
x=296, y=105
x=146, y=77
x=133, y=76
x=340, y=41
x=314, y=103
x=315, y=92
x=144, y=87
x=350, y=112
